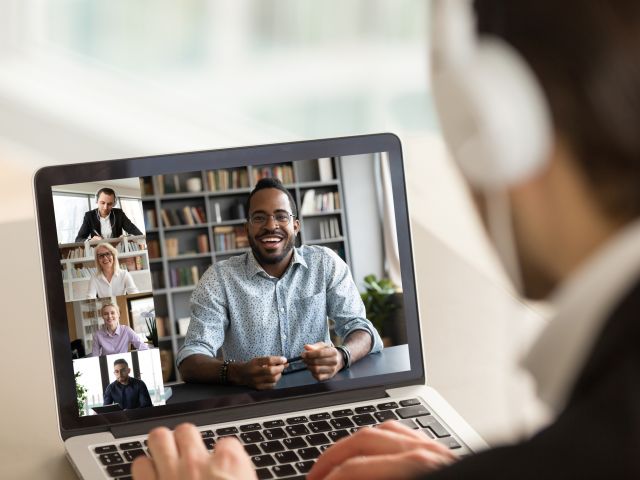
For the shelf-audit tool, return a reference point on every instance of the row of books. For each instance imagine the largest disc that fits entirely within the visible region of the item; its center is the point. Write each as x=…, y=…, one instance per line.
x=131, y=264
x=122, y=245
x=320, y=202
x=172, y=246
x=222, y=180
x=150, y=221
x=74, y=273
x=229, y=238
x=186, y=215
x=184, y=276
x=283, y=172
x=329, y=228
x=168, y=184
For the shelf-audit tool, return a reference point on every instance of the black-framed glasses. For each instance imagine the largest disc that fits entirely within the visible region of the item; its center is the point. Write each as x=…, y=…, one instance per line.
x=281, y=218
x=105, y=255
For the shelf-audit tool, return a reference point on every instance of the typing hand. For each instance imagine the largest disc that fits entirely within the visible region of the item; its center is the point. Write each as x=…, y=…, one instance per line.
x=322, y=360
x=260, y=373
x=390, y=450
x=182, y=455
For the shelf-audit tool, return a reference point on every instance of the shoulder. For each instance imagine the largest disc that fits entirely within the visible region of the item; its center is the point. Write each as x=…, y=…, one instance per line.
x=229, y=266
x=316, y=253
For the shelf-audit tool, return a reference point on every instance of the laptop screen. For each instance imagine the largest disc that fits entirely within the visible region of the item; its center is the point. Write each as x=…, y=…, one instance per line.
x=159, y=259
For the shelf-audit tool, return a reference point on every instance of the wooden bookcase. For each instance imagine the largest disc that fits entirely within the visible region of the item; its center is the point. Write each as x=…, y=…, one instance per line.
x=196, y=219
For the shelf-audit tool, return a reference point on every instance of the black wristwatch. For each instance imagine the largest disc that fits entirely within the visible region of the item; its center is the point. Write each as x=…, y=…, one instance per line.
x=346, y=356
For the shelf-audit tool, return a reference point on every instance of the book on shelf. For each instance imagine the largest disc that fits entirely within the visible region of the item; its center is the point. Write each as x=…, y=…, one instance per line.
x=325, y=169
x=171, y=246
x=187, y=215
x=184, y=276
x=283, y=172
x=308, y=202
x=157, y=279
x=153, y=247
x=313, y=202
x=223, y=180
x=146, y=185
x=150, y=219
x=329, y=228
x=230, y=238
x=161, y=326
x=131, y=264
x=203, y=243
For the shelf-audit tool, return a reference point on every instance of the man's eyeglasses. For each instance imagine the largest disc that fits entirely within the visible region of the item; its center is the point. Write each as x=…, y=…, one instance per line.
x=281, y=218
x=105, y=255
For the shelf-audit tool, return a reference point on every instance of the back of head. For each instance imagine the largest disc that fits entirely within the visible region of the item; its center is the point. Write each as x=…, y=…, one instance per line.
x=586, y=56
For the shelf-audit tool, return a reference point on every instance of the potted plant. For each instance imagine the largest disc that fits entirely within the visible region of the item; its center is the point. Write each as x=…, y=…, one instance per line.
x=379, y=302
x=81, y=394
x=152, y=326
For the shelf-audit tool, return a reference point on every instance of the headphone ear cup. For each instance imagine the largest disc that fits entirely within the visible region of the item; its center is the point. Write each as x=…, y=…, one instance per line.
x=494, y=116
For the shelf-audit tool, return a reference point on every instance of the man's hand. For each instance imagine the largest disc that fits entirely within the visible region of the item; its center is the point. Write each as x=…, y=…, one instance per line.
x=96, y=237
x=260, y=373
x=182, y=455
x=322, y=360
x=390, y=450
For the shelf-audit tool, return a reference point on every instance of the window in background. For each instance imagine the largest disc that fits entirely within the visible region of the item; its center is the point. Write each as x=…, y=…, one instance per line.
x=89, y=369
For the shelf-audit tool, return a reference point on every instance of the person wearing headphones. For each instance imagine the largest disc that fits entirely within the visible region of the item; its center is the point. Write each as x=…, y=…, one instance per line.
x=541, y=113
x=105, y=221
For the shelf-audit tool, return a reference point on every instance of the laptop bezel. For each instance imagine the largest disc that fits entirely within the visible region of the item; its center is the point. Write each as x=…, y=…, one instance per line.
x=48, y=177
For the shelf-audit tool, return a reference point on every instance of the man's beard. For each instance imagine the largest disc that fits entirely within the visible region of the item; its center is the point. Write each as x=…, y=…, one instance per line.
x=271, y=260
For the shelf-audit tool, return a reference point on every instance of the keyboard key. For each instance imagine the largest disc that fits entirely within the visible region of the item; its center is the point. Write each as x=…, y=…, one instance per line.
x=387, y=405
x=413, y=411
x=428, y=433
x=294, y=443
x=385, y=415
x=346, y=412
x=227, y=431
x=304, y=467
x=409, y=423
x=273, y=423
x=105, y=449
x=337, y=435
x=296, y=420
x=319, y=416
x=204, y=434
x=119, y=470
x=209, y=443
x=252, y=450
x=283, y=470
x=449, y=442
x=271, y=447
x=250, y=427
x=318, y=439
x=286, y=457
x=364, y=419
x=324, y=447
x=263, y=461
x=410, y=402
x=110, y=458
x=310, y=453
x=433, y=424
x=130, y=455
x=321, y=426
x=295, y=430
x=275, y=433
x=130, y=445
x=343, y=422
x=251, y=437
x=365, y=409
x=264, y=474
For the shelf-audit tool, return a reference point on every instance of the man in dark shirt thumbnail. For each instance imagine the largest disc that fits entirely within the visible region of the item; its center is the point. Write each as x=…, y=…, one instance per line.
x=126, y=391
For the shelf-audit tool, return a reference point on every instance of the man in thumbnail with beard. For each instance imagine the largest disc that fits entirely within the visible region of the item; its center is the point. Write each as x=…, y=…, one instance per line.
x=272, y=303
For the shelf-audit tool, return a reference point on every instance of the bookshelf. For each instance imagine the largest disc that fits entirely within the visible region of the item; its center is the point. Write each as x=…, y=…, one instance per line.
x=78, y=264
x=195, y=219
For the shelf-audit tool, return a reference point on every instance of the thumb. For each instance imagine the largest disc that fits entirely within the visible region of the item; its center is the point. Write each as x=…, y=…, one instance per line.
x=314, y=346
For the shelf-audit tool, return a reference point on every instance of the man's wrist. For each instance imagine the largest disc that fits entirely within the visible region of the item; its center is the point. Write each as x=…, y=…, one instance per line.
x=345, y=353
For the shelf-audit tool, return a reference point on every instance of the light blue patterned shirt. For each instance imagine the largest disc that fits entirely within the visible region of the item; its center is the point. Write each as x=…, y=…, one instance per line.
x=239, y=307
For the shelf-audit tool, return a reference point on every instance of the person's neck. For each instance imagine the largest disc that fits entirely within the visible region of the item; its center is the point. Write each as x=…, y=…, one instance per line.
x=126, y=382
x=103, y=216
x=277, y=269
x=108, y=273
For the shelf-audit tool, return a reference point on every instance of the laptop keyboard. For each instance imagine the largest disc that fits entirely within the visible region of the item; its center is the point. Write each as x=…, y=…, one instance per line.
x=287, y=446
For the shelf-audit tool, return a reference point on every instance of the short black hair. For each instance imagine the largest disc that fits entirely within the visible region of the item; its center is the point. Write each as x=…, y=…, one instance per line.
x=272, y=183
x=107, y=191
x=121, y=361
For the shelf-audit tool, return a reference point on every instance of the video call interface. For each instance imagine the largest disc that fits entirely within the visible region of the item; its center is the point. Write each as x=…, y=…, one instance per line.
x=134, y=250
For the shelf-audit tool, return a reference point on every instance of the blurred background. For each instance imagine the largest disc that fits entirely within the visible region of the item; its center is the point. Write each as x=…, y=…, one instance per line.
x=85, y=80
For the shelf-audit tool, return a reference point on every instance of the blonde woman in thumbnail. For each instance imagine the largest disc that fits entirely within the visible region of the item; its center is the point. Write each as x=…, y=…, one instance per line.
x=110, y=280
x=114, y=337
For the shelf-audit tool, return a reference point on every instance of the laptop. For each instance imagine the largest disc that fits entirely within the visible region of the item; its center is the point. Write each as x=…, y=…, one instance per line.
x=185, y=212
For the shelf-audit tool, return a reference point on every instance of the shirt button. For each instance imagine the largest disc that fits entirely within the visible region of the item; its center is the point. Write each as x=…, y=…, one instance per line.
x=282, y=309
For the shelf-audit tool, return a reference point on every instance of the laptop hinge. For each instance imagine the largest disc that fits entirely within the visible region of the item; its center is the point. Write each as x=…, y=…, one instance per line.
x=231, y=414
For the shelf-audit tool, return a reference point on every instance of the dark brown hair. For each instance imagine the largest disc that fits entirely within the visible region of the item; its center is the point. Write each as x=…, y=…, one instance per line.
x=586, y=55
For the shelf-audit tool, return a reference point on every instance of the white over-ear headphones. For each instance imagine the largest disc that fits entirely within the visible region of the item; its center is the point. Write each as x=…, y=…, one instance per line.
x=493, y=112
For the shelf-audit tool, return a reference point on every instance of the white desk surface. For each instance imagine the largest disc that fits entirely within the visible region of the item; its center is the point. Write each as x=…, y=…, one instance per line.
x=464, y=316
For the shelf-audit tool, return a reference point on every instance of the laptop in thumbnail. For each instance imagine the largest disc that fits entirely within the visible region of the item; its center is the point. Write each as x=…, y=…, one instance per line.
x=156, y=224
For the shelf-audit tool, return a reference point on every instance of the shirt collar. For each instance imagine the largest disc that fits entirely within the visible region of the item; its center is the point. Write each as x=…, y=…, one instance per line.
x=582, y=304
x=253, y=267
x=117, y=332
